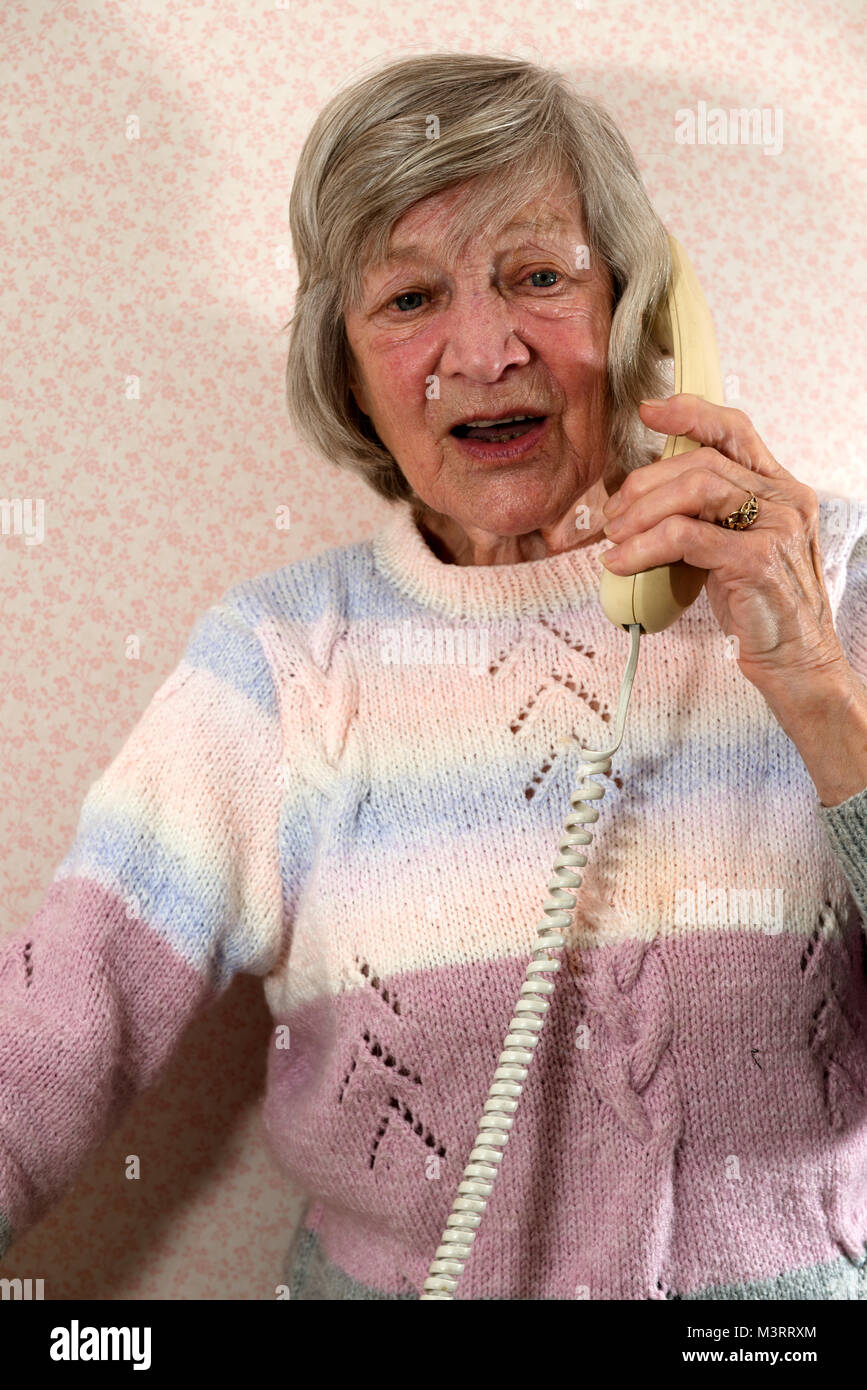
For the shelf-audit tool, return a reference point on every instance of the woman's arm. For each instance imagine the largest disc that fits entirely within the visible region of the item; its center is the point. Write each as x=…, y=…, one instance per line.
x=826, y=719
x=171, y=887
x=846, y=827
x=828, y=725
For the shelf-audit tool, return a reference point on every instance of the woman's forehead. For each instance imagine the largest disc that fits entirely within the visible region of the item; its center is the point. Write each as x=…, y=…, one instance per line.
x=497, y=204
x=419, y=231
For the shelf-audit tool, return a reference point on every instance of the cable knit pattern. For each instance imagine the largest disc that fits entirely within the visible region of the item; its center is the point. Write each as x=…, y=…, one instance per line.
x=353, y=786
x=634, y=1038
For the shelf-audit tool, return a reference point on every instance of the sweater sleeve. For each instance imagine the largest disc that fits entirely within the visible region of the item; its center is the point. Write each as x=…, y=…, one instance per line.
x=846, y=823
x=171, y=887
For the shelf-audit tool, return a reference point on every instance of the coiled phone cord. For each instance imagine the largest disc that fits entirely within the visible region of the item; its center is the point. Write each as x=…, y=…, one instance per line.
x=530, y=1011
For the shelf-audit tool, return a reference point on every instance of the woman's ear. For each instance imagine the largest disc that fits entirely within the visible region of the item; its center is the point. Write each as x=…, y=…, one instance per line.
x=358, y=392
x=355, y=385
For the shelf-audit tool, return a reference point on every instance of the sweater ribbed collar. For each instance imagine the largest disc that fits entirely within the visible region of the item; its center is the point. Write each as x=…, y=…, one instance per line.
x=529, y=588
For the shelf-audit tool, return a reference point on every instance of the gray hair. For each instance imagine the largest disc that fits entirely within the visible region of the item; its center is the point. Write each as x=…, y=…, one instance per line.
x=367, y=160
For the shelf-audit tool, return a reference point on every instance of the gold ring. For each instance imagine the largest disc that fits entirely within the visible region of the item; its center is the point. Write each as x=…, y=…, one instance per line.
x=743, y=517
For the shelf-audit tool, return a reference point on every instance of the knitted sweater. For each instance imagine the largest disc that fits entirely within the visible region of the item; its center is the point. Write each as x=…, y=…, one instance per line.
x=352, y=786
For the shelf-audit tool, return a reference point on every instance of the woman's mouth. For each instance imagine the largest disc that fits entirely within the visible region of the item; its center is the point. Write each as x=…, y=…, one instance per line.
x=503, y=439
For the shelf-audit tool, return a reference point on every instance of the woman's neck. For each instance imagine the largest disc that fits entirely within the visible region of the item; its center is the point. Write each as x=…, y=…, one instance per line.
x=454, y=544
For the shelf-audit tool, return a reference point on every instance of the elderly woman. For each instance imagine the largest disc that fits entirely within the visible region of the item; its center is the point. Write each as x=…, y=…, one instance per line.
x=355, y=781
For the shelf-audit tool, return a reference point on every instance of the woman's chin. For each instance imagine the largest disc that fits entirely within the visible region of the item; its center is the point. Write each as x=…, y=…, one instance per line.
x=536, y=502
x=519, y=511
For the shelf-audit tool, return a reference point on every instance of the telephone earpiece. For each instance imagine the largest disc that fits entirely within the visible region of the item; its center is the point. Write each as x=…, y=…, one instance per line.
x=684, y=331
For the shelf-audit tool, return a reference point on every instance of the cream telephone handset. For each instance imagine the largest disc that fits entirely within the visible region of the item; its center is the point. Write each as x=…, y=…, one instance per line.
x=684, y=331
x=641, y=603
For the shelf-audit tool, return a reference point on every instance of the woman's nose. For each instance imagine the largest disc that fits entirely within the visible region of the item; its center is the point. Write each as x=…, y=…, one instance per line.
x=481, y=337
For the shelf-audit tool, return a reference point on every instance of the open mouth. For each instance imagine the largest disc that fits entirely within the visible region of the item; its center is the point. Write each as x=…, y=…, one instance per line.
x=500, y=430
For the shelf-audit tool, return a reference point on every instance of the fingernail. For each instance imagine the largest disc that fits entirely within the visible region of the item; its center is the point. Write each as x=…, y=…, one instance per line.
x=613, y=505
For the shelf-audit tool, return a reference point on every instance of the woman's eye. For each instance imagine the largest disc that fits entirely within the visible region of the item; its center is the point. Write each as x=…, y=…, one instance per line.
x=550, y=283
x=402, y=302
x=408, y=294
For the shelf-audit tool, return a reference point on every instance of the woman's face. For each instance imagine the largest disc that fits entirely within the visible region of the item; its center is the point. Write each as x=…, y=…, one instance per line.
x=518, y=327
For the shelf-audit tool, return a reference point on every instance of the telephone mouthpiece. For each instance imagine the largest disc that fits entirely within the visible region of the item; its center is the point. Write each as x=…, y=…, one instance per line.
x=655, y=598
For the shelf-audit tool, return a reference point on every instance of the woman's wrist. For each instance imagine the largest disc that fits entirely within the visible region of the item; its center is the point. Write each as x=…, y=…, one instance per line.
x=826, y=719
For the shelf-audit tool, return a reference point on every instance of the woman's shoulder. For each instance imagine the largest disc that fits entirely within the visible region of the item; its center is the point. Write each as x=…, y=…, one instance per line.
x=304, y=590
x=289, y=617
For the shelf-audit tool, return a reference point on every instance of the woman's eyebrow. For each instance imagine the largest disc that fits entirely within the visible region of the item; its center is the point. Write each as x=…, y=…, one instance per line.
x=541, y=224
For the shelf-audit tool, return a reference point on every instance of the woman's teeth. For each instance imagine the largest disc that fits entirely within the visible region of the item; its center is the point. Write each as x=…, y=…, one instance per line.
x=497, y=431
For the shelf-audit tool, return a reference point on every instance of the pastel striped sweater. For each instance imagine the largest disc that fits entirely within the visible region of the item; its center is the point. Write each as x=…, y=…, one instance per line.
x=352, y=785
